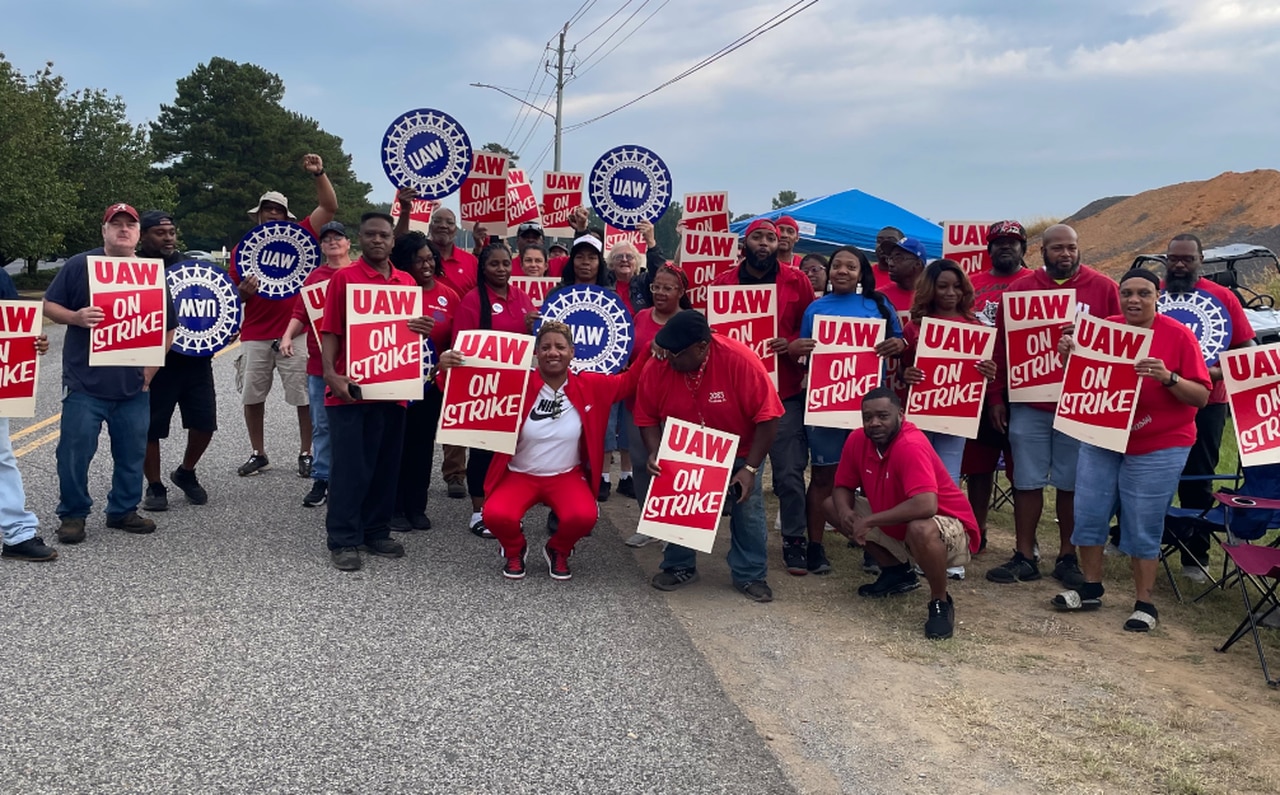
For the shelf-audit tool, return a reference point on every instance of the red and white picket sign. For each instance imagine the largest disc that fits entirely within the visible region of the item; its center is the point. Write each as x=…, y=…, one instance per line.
x=420, y=211
x=131, y=293
x=950, y=398
x=966, y=243
x=706, y=212
x=383, y=356
x=1033, y=321
x=1100, y=386
x=484, y=397
x=704, y=256
x=1252, y=377
x=613, y=236
x=561, y=195
x=536, y=287
x=747, y=313
x=522, y=202
x=20, y=325
x=684, y=502
x=843, y=367
x=483, y=196
x=313, y=299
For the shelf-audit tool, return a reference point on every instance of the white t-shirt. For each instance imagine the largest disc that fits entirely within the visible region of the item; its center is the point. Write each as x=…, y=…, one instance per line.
x=549, y=438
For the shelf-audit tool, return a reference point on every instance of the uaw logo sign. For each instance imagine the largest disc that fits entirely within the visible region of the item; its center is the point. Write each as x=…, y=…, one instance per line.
x=429, y=357
x=1205, y=315
x=208, y=307
x=602, y=329
x=428, y=150
x=630, y=184
x=281, y=254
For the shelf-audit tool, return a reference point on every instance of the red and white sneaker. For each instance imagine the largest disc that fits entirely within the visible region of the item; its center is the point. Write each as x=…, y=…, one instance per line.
x=514, y=568
x=557, y=563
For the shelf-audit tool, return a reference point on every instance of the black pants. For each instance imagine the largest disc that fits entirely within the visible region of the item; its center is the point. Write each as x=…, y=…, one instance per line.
x=364, y=444
x=418, y=454
x=1202, y=460
x=477, y=468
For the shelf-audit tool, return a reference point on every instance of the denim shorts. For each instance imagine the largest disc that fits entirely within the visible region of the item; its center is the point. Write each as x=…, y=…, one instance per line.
x=1141, y=487
x=825, y=444
x=1045, y=457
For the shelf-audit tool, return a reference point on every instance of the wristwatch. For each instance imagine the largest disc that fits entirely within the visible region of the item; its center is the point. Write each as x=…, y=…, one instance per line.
x=1173, y=380
x=751, y=469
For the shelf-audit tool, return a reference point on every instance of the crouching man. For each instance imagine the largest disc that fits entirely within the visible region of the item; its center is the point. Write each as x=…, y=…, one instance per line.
x=912, y=512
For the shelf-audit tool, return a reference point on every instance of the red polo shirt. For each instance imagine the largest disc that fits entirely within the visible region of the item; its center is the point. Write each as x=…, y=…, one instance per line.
x=335, y=306
x=795, y=293
x=507, y=314
x=460, y=269
x=321, y=274
x=265, y=318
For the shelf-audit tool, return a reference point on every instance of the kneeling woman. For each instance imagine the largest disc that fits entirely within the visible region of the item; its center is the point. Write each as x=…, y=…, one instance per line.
x=559, y=451
x=1173, y=383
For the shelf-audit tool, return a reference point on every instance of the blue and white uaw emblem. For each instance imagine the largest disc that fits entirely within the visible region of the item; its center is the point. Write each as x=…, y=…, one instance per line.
x=630, y=184
x=602, y=328
x=427, y=150
x=208, y=307
x=429, y=358
x=281, y=254
x=1205, y=315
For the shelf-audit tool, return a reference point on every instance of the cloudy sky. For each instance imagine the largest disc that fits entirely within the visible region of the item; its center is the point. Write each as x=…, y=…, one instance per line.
x=978, y=109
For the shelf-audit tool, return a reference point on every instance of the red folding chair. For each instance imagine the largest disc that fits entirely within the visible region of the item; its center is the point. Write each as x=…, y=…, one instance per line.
x=1261, y=563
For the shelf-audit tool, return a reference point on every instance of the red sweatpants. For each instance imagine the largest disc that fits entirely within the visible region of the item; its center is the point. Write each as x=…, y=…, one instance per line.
x=568, y=495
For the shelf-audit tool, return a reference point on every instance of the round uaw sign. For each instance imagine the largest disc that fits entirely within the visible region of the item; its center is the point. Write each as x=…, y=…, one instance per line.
x=428, y=150
x=429, y=357
x=602, y=328
x=1205, y=315
x=207, y=305
x=281, y=254
x=630, y=184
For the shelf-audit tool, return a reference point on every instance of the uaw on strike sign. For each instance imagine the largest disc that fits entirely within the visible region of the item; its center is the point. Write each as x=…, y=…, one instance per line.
x=684, y=502
x=966, y=243
x=1252, y=376
x=1100, y=386
x=843, y=367
x=949, y=400
x=704, y=256
x=1033, y=321
x=19, y=330
x=131, y=294
x=383, y=356
x=747, y=313
x=484, y=396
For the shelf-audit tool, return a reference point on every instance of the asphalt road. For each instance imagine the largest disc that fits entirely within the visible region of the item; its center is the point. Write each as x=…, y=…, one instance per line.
x=224, y=653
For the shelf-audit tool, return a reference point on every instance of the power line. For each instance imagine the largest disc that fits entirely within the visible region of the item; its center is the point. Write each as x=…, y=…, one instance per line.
x=616, y=31
x=582, y=10
x=773, y=22
x=528, y=114
x=602, y=24
x=621, y=42
x=523, y=111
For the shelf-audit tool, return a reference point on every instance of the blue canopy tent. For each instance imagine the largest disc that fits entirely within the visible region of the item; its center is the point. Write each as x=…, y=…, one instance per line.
x=852, y=217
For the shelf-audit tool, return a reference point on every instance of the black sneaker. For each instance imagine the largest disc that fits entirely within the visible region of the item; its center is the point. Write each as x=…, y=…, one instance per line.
x=1017, y=569
x=132, y=523
x=794, y=556
x=457, y=489
x=553, y=524
x=385, y=547
x=33, y=549
x=419, y=521
x=318, y=494
x=71, y=530
x=480, y=529
x=627, y=488
x=557, y=564
x=186, y=480
x=942, y=619
x=605, y=488
x=1067, y=571
x=893, y=580
x=346, y=559
x=304, y=465
x=756, y=590
x=256, y=462
x=674, y=579
x=400, y=524
x=156, y=498
x=514, y=568
x=817, y=562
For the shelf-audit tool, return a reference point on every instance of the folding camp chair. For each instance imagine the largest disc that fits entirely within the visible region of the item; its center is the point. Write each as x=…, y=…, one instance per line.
x=1260, y=564
x=1001, y=495
x=1181, y=525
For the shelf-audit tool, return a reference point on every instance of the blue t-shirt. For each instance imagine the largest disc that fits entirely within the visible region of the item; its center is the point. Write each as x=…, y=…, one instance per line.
x=849, y=305
x=8, y=290
x=70, y=289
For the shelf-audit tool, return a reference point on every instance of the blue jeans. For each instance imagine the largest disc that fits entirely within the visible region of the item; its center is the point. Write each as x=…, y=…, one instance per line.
x=639, y=457
x=319, y=428
x=16, y=521
x=127, y=423
x=1041, y=456
x=1141, y=487
x=748, y=552
x=788, y=458
x=950, y=449
x=615, y=434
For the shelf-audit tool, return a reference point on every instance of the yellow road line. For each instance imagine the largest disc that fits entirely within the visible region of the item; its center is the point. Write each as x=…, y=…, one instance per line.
x=30, y=429
x=43, y=440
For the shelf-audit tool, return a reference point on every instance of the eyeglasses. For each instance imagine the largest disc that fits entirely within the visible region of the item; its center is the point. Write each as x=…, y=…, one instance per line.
x=663, y=288
x=1181, y=259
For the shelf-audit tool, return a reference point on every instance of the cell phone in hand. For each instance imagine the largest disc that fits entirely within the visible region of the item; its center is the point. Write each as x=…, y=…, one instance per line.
x=735, y=494
x=353, y=389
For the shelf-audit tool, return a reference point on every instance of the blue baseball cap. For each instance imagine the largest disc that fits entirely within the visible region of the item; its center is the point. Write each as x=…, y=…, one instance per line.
x=913, y=247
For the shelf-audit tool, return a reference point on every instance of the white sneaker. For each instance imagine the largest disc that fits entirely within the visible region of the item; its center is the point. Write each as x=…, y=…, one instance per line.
x=638, y=540
x=1195, y=574
x=955, y=572
x=777, y=521
x=1112, y=551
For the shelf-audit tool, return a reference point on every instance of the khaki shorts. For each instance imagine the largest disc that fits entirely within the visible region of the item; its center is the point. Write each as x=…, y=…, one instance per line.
x=254, y=373
x=950, y=530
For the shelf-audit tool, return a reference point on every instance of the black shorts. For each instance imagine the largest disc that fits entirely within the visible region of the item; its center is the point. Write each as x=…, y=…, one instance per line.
x=184, y=382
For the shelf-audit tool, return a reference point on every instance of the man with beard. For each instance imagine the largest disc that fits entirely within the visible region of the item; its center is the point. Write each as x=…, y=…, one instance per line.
x=1184, y=260
x=788, y=235
x=886, y=239
x=1007, y=245
x=1044, y=456
x=184, y=382
x=461, y=270
x=789, y=453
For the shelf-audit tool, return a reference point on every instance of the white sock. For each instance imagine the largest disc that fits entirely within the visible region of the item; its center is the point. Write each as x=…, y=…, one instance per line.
x=606, y=477
x=626, y=476
x=476, y=517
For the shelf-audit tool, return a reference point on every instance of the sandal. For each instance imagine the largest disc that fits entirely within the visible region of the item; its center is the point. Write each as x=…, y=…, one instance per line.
x=1072, y=600
x=1140, y=621
x=479, y=529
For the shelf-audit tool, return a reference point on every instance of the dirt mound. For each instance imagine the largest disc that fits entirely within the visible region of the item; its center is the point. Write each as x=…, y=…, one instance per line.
x=1230, y=208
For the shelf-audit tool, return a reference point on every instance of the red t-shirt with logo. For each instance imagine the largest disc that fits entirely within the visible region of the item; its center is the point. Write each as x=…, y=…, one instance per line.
x=440, y=303
x=988, y=286
x=1241, y=328
x=1161, y=420
x=795, y=293
x=508, y=313
x=734, y=395
x=335, y=306
x=265, y=318
x=907, y=468
x=460, y=270
x=315, y=366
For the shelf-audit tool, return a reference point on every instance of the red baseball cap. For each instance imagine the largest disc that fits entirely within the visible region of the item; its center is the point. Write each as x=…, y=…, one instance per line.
x=116, y=209
x=787, y=220
x=760, y=223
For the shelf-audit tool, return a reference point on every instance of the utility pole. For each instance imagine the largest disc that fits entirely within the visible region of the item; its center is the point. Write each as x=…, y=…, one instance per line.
x=560, y=91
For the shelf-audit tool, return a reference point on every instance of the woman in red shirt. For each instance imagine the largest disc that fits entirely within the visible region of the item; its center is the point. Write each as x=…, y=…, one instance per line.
x=1139, y=483
x=559, y=450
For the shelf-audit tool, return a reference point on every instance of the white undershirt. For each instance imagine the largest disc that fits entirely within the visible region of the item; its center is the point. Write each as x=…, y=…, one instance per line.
x=548, y=445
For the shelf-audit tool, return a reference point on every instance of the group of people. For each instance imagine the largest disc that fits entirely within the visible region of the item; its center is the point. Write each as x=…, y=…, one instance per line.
x=888, y=487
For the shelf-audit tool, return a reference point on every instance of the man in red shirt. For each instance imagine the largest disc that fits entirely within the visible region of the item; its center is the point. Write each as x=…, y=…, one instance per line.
x=886, y=239
x=264, y=324
x=788, y=235
x=789, y=453
x=364, y=436
x=906, y=263
x=913, y=513
x=461, y=270
x=719, y=383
